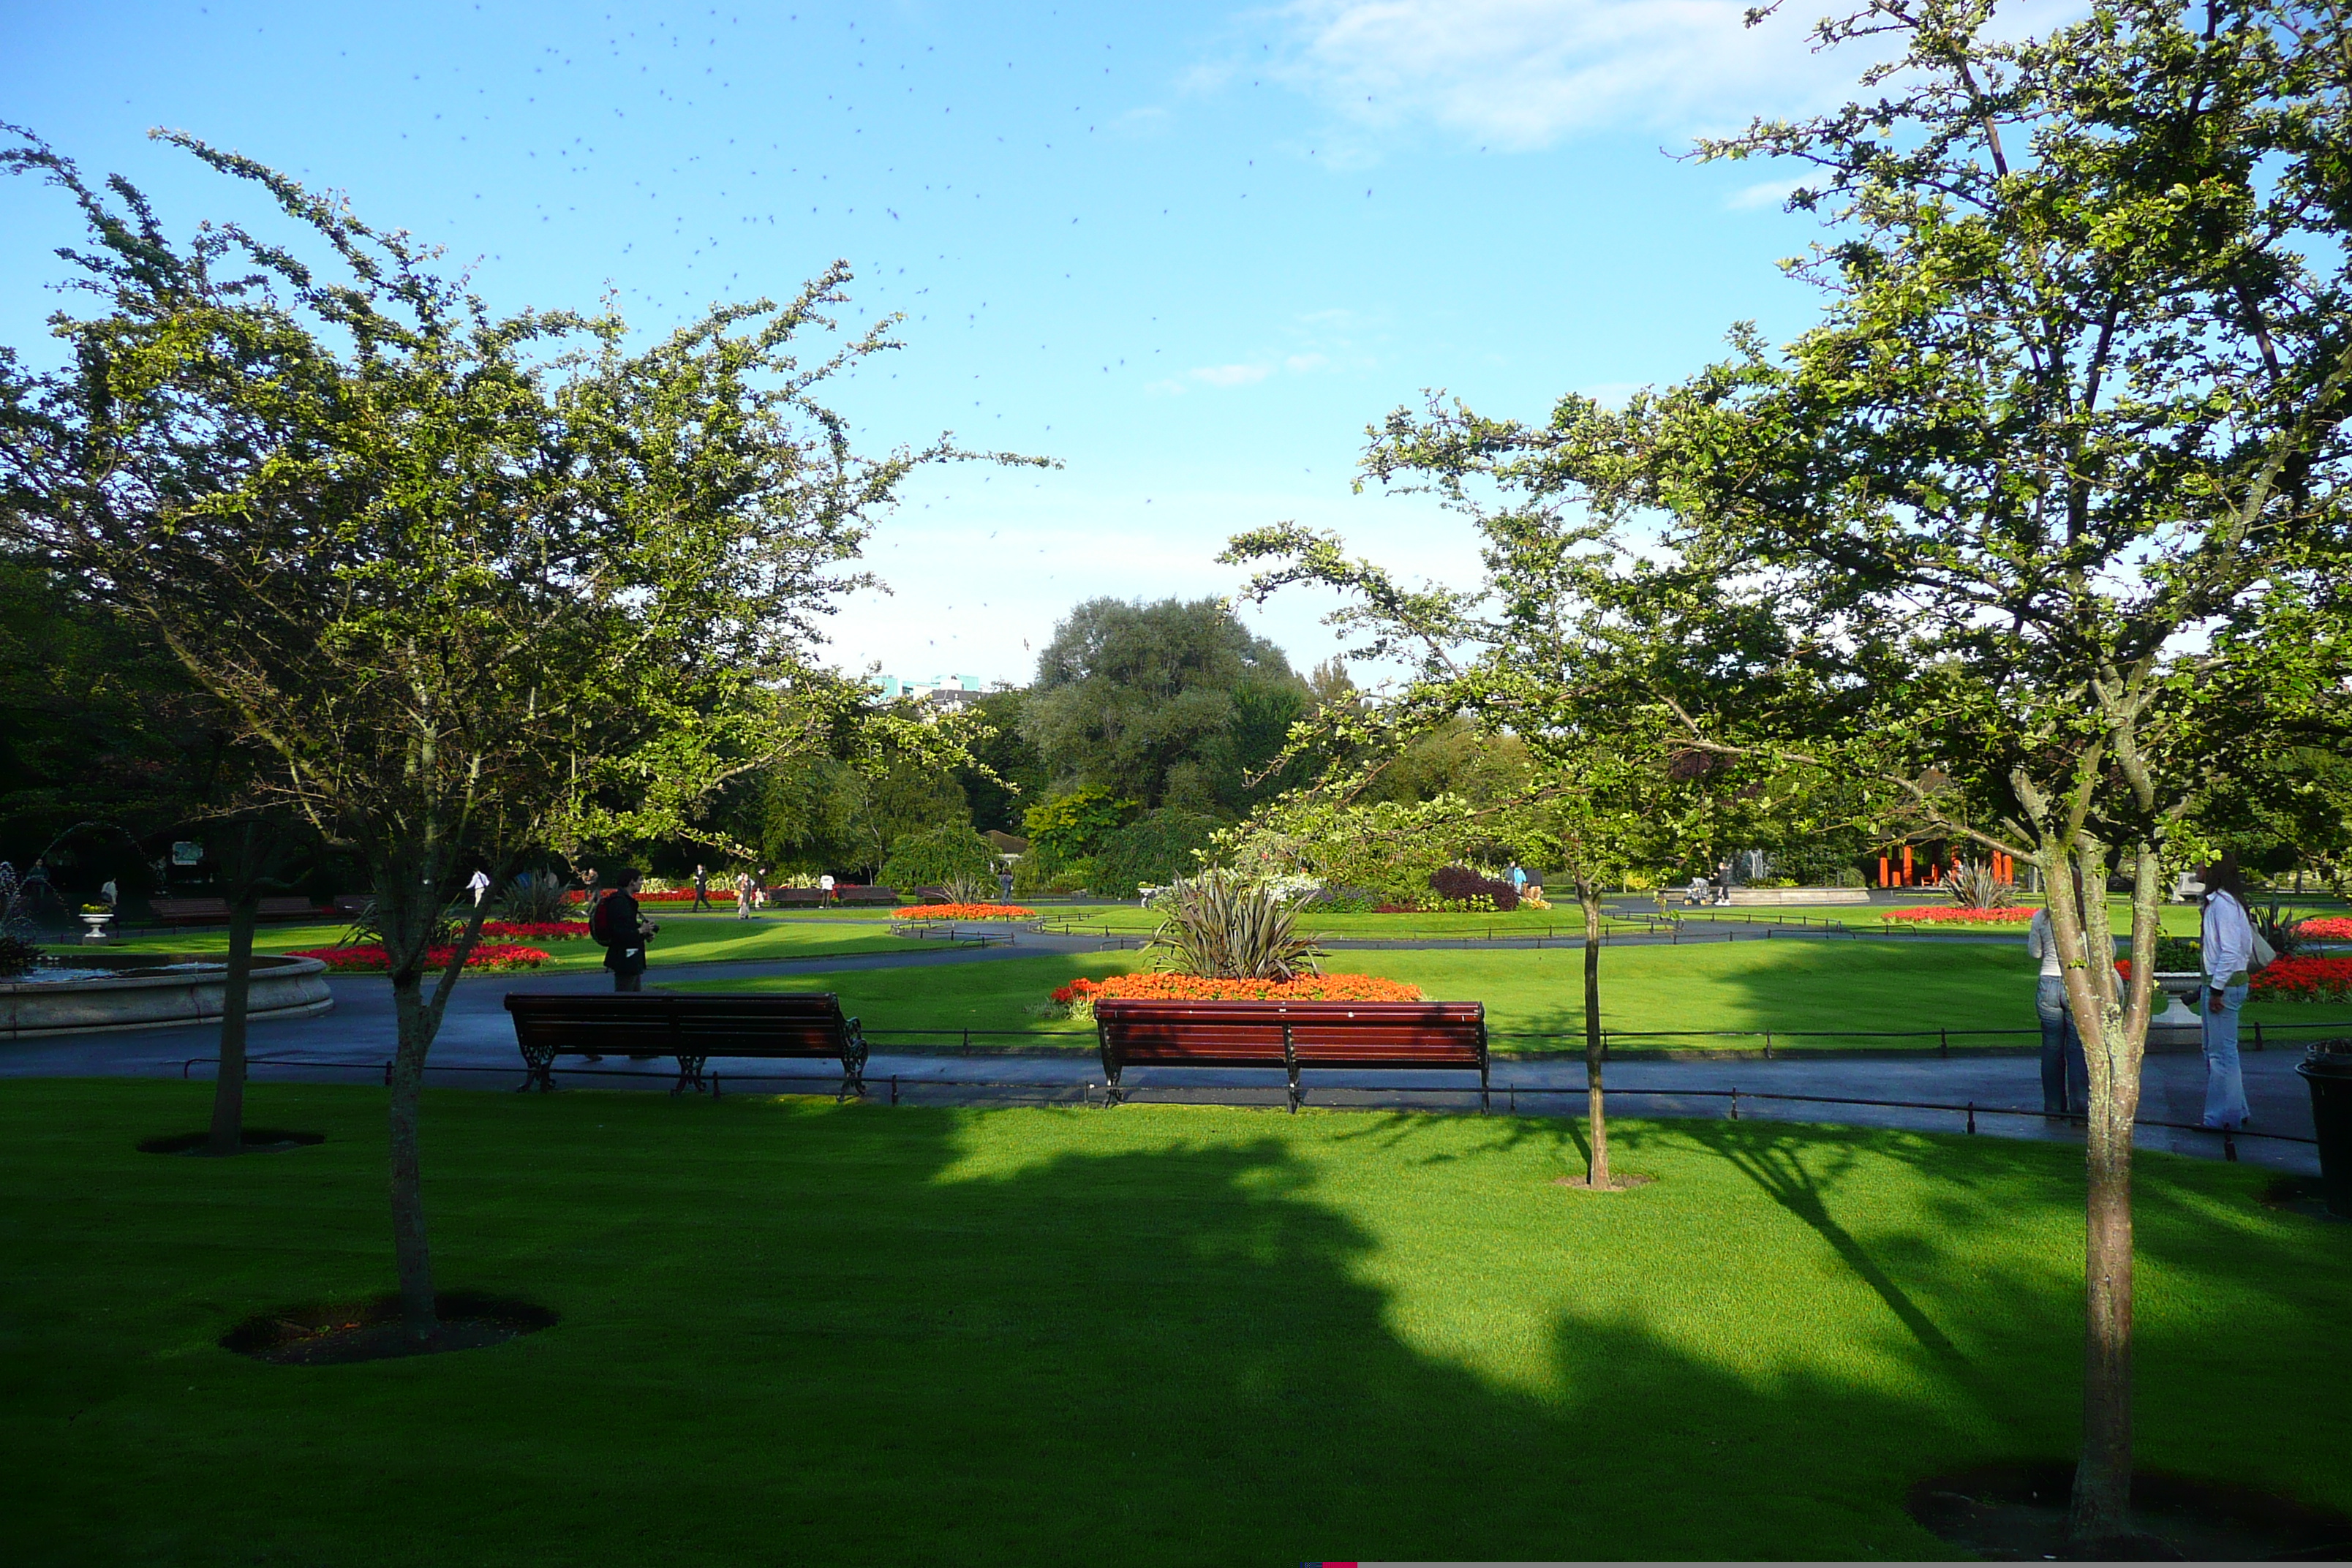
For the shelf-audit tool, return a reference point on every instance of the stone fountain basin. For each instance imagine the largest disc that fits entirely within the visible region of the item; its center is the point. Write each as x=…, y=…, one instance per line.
x=102, y=992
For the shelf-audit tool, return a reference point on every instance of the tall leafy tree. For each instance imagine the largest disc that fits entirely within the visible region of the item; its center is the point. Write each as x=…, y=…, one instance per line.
x=474, y=584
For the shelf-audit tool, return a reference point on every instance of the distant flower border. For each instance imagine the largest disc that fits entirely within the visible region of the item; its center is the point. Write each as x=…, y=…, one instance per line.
x=964, y=912
x=672, y=896
x=1953, y=914
x=370, y=958
x=537, y=931
x=1157, y=986
x=2333, y=928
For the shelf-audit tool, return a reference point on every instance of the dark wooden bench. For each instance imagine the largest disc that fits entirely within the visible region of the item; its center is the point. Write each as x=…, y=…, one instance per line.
x=1382, y=1036
x=866, y=896
x=215, y=911
x=769, y=1026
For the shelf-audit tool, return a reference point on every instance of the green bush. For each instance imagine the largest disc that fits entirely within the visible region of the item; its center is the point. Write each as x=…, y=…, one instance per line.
x=938, y=856
x=1156, y=849
x=1070, y=827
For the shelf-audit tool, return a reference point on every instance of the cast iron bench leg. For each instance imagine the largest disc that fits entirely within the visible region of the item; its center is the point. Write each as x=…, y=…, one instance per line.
x=689, y=1072
x=538, y=1062
x=853, y=1061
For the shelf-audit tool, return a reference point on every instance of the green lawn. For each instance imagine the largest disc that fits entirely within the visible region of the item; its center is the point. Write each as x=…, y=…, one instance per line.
x=1786, y=986
x=792, y=1331
x=684, y=939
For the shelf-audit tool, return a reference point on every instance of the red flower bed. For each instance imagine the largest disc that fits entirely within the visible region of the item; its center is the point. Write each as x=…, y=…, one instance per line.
x=2305, y=979
x=538, y=931
x=675, y=896
x=964, y=912
x=371, y=958
x=1953, y=914
x=1194, y=988
x=2335, y=928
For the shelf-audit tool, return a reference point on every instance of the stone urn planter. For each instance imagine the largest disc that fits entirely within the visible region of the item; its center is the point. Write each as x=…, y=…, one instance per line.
x=2328, y=1071
x=95, y=928
x=2179, y=1027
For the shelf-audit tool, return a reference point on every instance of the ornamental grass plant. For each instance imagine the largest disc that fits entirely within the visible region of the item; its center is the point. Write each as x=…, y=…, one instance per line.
x=1219, y=926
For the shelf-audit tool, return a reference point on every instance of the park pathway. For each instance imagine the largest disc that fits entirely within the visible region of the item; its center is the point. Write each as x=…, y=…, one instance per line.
x=476, y=1048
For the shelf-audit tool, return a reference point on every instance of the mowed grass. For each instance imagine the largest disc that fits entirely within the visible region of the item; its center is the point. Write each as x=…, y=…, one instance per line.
x=792, y=1331
x=683, y=939
x=1791, y=986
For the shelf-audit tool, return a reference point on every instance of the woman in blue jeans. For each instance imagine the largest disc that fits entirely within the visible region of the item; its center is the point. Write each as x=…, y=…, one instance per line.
x=2227, y=940
x=2065, y=1076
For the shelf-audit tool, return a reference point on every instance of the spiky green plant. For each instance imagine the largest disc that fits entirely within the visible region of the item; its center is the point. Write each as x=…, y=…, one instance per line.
x=1221, y=927
x=1973, y=886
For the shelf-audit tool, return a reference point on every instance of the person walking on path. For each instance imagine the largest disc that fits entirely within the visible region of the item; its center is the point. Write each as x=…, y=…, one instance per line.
x=2228, y=943
x=2065, y=1074
x=620, y=926
x=478, y=884
x=701, y=889
x=742, y=895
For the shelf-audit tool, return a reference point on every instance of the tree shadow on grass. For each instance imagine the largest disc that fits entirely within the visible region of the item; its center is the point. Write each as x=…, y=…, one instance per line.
x=858, y=1334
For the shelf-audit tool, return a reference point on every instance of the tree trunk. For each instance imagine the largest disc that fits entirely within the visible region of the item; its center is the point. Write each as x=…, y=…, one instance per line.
x=228, y=1087
x=2114, y=1028
x=411, y=1256
x=1596, y=1171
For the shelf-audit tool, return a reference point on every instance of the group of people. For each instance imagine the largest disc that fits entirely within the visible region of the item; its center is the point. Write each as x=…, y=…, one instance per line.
x=2229, y=950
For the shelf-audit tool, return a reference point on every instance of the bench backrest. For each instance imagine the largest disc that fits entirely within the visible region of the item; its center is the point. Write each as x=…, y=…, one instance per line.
x=762, y=1022
x=1333, y=1033
x=171, y=908
x=866, y=895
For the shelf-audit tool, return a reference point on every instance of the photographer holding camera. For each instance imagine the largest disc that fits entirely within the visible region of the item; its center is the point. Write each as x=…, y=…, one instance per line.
x=620, y=927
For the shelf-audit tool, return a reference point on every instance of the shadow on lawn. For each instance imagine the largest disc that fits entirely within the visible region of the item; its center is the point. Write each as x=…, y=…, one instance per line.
x=1172, y=1336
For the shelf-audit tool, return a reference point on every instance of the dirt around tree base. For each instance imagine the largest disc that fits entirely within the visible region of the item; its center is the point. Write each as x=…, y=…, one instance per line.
x=2017, y=1513
x=255, y=1140
x=2303, y=1196
x=337, y=1334
x=1619, y=1182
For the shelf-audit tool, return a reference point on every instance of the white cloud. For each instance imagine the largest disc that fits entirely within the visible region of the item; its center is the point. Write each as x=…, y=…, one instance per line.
x=1762, y=194
x=1522, y=74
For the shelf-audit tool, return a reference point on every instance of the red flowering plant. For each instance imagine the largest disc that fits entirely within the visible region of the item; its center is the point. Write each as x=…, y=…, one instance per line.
x=1957, y=914
x=2303, y=980
x=538, y=931
x=2334, y=928
x=667, y=896
x=964, y=912
x=370, y=958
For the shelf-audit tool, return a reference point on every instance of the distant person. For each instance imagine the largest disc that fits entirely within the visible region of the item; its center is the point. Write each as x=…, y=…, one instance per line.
x=701, y=889
x=111, y=893
x=1518, y=879
x=2065, y=1074
x=742, y=895
x=1005, y=886
x=478, y=884
x=619, y=926
x=2228, y=943
x=825, y=888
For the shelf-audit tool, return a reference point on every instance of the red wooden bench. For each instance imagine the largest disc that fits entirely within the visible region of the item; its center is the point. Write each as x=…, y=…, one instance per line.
x=215, y=911
x=1381, y=1036
x=693, y=1027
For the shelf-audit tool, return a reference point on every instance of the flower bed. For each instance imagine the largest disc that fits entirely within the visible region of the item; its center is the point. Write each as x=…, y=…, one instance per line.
x=2305, y=979
x=370, y=958
x=1194, y=988
x=2335, y=928
x=964, y=912
x=1953, y=914
x=537, y=931
x=669, y=896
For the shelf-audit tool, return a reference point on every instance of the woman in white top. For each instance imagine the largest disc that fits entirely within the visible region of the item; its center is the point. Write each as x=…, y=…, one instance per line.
x=2065, y=1076
x=2228, y=943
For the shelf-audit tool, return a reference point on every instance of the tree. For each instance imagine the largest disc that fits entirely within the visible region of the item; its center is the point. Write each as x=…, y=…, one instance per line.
x=939, y=856
x=1156, y=848
x=2041, y=532
x=473, y=583
x=1009, y=773
x=1174, y=703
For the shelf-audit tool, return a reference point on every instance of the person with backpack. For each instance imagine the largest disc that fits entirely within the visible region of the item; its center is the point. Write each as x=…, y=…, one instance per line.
x=619, y=926
x=2229, y=950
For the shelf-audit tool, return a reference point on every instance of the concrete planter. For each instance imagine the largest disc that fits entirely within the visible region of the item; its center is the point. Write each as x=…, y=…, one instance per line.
x=147, y=992
x=1785, y=896
x=2179, y=1027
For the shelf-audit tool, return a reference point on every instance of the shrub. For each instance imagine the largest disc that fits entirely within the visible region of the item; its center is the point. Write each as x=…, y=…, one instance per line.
x=1973, y=886
x=1460, y=885
x=1156, y=848
x=16, y=955
x=535, y=898
x=2280, y=929
x=1073, y=826
x=938, y=858
x=1219, y=927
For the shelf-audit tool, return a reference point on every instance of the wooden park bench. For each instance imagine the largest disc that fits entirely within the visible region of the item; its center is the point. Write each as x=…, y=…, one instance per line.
x=1381, y=1036
x=768, y=1025
x=866, y=896
x=781, y=896
x=215, y=911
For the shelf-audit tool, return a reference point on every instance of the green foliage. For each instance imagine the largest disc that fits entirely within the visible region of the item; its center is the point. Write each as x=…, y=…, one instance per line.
x=1074, y=824
x=535, y=898
x=939, y=858
x=1020, y=774
x=1174, y=703
x=1222, y=926
x=1155, y=849
x=822, y=814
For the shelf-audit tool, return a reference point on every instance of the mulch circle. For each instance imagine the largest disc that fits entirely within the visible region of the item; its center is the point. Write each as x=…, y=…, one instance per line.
x=2017, y=1513
x=1619, y=1182
x=2300, y=1194
x=337, y=1334
x=257, y=1140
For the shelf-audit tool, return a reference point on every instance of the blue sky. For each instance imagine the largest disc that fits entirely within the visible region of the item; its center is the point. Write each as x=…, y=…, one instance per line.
x=1189, y=252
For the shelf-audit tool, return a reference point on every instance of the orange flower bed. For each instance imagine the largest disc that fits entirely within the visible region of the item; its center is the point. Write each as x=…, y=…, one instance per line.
x=964, y=912
x=1194, y=988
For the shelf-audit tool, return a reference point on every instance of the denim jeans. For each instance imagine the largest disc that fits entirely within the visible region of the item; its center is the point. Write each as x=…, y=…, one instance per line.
x=2065, y=1076
x=2225, y=1089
